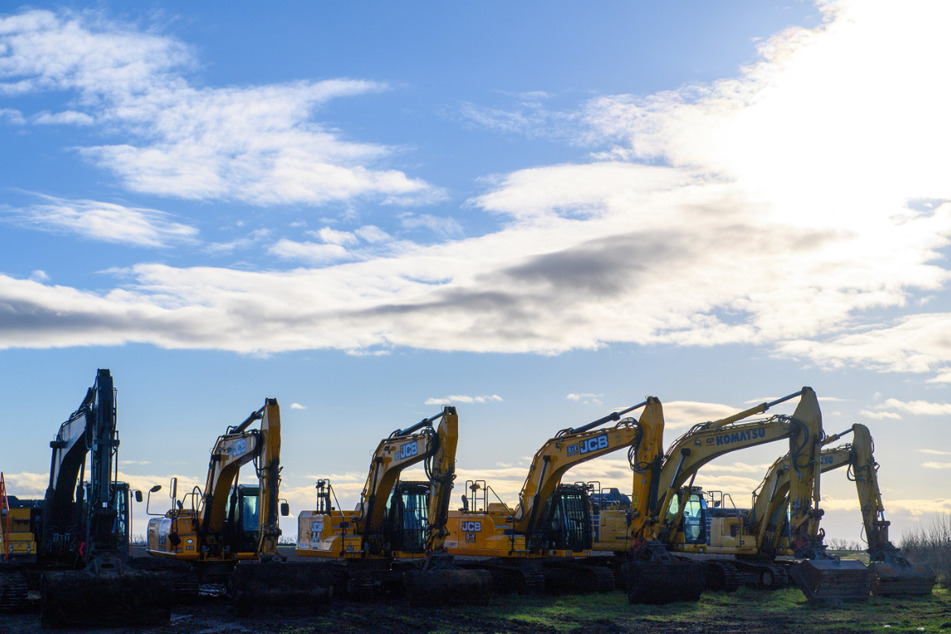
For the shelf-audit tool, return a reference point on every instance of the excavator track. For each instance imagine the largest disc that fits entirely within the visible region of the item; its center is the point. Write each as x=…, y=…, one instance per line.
x=15, y=593
x=721, y=576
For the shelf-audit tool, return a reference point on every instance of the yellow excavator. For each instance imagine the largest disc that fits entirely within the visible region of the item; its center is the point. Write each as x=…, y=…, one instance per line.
x=892, y=573
x=671, y=514
x=546, y=541
x=394, y=541
x=228, y=532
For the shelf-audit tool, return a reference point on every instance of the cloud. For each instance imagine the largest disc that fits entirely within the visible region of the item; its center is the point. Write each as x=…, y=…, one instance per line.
x=781, y=208
x=892, y=406
x=68, y=117
x=587, y=398
x=256, y=144
x=105, y=222
x=332, y=236
x=438, y=225
x=311, y=252
x=297, y=406
x=937, y=465
x=462, y=398
x=935, y=452
x=12, y=116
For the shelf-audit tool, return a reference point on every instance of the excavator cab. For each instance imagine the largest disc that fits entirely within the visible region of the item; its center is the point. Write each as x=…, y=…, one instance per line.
x=243, y=521
x=407, y=516
x=694, y=520
x=567, y=520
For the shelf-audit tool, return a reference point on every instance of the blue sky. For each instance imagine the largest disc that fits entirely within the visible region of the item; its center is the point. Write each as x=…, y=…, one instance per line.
x=539, y=212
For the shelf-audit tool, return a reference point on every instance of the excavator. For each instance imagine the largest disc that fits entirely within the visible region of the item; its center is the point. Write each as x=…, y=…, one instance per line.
x=75, y=542
x=228, y=532
x=669, y=512
x=395, y=540
x=892, y=573
x=546, y=541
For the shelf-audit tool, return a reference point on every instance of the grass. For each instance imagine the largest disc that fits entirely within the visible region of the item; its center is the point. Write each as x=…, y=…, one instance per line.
x=744, y=610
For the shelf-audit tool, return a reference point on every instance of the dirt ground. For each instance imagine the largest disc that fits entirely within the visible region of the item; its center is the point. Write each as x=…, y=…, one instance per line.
x=745, y=611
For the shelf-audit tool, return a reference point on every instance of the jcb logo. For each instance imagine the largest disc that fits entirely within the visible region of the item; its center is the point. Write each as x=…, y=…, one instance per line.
x=471, y=527
x=593, y=444
x=408, y=450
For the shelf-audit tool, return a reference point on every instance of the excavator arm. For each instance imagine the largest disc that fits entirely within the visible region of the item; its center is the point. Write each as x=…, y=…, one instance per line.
x=441, y=471
x=401, y=449
x=233, y=449
x=570, y=447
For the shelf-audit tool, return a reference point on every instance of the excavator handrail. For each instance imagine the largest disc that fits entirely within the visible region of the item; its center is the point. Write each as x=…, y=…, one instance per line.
x=605, y=419
x=426, y=421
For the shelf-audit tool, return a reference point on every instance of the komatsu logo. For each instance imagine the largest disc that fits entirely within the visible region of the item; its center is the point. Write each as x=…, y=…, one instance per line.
x=740, y=436
x=589, y=445
x=408, y=450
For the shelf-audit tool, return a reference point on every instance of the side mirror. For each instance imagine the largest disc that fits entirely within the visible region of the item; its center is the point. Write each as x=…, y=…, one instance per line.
x=285, y=509
x=156, y=488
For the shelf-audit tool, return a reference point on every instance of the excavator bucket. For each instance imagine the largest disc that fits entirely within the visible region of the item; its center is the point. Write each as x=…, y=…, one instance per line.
x=657, y=583
x=260, y=586
x=95, y=597
x=832, y=580
x=447, y=586
x=901, y=578
x=659, y=577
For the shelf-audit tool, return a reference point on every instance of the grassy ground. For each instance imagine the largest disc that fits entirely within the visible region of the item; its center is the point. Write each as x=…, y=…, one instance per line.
x=747, y=611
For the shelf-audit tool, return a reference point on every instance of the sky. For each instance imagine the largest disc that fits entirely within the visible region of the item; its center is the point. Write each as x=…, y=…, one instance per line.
x=538, y=212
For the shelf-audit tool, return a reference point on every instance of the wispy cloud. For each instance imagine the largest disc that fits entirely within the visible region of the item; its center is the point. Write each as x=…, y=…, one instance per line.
x=893, y=408
x=258, y=144
x=297, y=406
x=105, y=222
x=462, y=398
x=587, y=398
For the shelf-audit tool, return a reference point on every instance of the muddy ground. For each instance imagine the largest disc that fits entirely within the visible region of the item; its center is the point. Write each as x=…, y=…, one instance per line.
x=745, y=611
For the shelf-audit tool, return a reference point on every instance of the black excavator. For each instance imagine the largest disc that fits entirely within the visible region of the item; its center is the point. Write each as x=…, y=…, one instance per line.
x=81, y=530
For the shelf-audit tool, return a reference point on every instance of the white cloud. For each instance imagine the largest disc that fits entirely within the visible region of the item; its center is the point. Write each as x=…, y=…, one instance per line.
x=312, y=252
x=13, y=116
x=105, y=222
x=782, y=208
x=891, y=407
x=436, y=224
x=587, y=398
x=373, y=234
x=935, y=452
x=255, y=144
x=937, y=465
x=332, y=236
x=462, y=398
x=68, y=117
x=297, y=406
